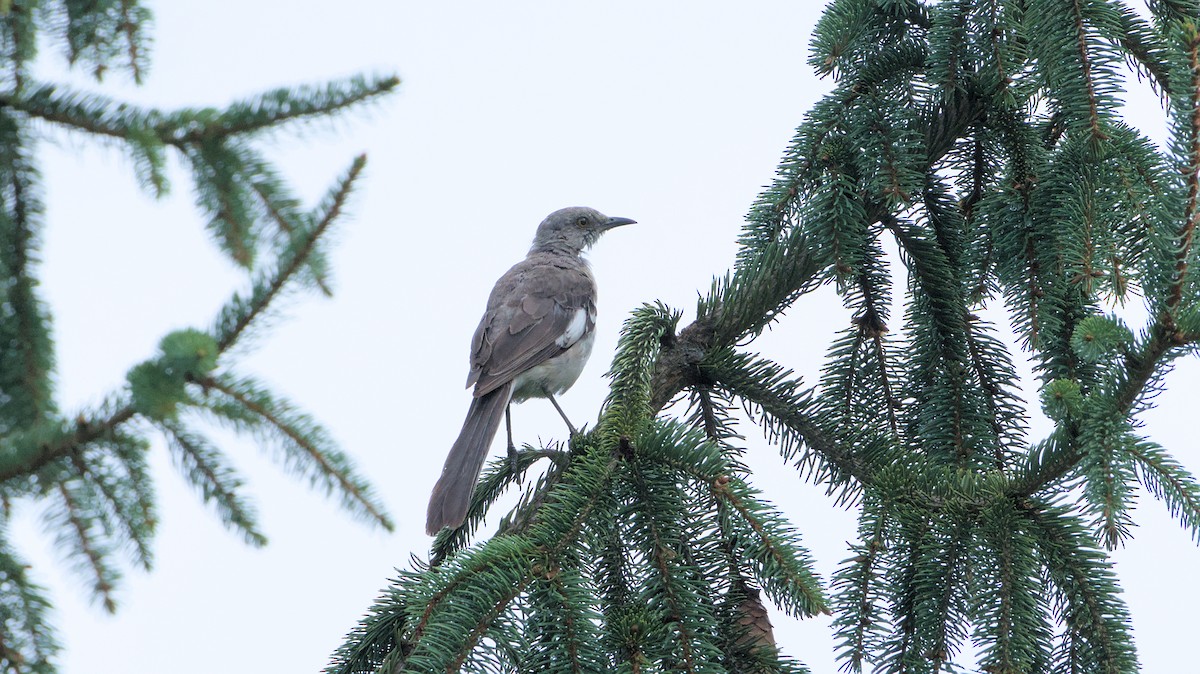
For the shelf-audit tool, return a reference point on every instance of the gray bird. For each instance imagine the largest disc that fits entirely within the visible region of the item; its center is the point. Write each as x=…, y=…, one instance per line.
x=532, y=342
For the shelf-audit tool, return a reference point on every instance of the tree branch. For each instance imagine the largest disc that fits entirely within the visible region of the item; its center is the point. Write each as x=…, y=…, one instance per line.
x=738, y=381
x=294, y=261
x=1140, y=368
x=327, y=469
x=1192, y=213
x=12, y=467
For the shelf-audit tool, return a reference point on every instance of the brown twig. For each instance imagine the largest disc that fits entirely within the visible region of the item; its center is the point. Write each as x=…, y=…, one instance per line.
x=1085, y=63
x=1192, y=213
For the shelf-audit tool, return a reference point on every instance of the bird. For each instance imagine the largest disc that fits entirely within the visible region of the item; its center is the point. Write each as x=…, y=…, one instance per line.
x=533, y=341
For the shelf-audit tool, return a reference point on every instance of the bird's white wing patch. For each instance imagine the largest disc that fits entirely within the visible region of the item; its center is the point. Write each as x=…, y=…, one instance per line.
x=575, y=329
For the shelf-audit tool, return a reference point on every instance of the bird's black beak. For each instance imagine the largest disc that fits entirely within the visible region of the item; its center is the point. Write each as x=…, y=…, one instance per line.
x=617, y=222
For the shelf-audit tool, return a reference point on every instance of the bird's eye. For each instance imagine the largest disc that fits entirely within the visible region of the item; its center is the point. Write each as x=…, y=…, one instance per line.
x=582, y=222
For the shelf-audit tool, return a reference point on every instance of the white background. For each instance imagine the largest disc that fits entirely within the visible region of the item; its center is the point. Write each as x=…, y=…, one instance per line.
x=671, y=113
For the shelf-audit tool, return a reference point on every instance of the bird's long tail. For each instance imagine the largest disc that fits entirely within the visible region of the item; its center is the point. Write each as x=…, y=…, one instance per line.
x=452, y=494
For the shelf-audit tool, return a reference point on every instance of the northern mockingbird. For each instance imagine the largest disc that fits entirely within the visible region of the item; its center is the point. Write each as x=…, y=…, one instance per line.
x=533, y=342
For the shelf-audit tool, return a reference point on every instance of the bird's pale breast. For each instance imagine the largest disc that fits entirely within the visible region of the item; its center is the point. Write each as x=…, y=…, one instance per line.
x=556, y=374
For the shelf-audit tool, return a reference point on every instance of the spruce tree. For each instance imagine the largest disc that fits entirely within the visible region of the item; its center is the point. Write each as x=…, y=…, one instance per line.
x=983, y=142
x=86, y=469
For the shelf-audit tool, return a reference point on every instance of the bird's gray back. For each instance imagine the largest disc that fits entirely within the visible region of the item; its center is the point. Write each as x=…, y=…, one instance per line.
x=533, y=314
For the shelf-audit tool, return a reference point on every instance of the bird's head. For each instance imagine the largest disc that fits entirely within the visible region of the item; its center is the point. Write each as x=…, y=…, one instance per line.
x=573, y=230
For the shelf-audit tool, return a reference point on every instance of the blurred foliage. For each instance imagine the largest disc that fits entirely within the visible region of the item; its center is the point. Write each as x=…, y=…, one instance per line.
x=87, y=469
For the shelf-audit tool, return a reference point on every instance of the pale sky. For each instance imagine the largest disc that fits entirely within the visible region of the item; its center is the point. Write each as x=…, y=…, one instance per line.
x=674, y=114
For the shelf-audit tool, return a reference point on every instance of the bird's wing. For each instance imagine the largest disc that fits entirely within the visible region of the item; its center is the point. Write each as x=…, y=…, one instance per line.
x=537, y=310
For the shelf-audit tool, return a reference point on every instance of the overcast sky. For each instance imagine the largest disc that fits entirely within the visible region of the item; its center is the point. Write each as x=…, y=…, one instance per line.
x=674, y=114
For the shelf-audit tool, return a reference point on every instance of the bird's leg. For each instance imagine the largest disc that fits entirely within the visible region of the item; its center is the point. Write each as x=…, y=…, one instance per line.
x=561, y=413
x=512, y=449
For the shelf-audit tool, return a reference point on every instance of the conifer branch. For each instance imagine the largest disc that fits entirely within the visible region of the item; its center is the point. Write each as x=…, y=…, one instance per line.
x=979, y=175
x=136, y=532
x=648, y=330
x=578, y=506
x=971, y=542
x=1171, y=483
x=675, y=366
x=477, y=565
x=1002, y=76
x=217, y=483
x=1192, y=213
x=279, y=213
x=103, y=117
x=932, y=269
x=98, y=116
x=238, y=317
x=901, y=651
x=1021, y=586
x=949, y=616
x=566, y=628
x=27, y=354
x=1140, y=41
x=707, y=414
x=1033, y=288
x=1091, y=606
x=954, y=42
x=18, y=32
x=1004, y=622
x=462, y=600
x=277, y=107
x=485, y=622
x=870, y=323
x=991, y=389
x=1065, y=453
x=522, y=516
x=25, y=637
x=569, y=625
x=221, y=194
x=92, y=472
x=659, y=549
x=746, y=379
x=274, y=209
x=852, y=369
x=1085, y=64
x=376, y=643
x=24, y=303
x=22, y=291
x=740, y=305
x=33, y=459
x=328, y=469
x=131, y=452
x=131, y=28
x=885, y=382
x=1107, y=478
x=893, y=190
x=612, y=567
x=946, y=121
x=88, y=547
x=553, y=532
x=857, y=620
x=784, y=564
